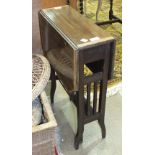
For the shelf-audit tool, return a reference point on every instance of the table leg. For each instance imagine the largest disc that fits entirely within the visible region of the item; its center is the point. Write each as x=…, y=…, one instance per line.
x=53, y=84
x=102, y=97
x=103, y=89
x=80, y=104
x=80, y=121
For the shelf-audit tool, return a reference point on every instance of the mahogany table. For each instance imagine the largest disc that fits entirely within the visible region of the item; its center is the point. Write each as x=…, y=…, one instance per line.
x=70, y=41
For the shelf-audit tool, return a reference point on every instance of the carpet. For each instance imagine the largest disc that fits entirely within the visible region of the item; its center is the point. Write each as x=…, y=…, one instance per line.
x=114, y=29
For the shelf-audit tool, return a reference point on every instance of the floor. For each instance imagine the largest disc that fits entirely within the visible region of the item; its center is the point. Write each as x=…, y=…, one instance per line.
x=93, y=144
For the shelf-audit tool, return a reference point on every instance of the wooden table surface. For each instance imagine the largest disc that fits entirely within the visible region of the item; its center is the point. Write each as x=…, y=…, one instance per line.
x=65, y=34
x=77, y=29
x=36, y=6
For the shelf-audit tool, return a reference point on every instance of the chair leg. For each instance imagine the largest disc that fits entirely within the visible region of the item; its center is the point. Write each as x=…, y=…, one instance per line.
x=81, y=6
x=111, y=10
x=98, y=9
x=53, y=84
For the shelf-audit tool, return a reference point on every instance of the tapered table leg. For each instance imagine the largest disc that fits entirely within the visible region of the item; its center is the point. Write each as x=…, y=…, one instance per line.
x=80, y=104
x=103, y=89
x=53, y=84
x=80, y=120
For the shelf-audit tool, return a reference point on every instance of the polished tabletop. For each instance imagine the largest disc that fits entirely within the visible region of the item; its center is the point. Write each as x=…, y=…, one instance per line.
x=79, y=30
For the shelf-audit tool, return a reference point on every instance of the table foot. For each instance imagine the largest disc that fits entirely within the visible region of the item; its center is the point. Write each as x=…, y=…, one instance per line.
x=103, y=129
x=78, y=140
x=80, y=120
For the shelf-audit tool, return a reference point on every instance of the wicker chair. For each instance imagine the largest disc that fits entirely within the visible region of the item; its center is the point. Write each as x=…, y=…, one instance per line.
x=43, y=135
x=40, y=74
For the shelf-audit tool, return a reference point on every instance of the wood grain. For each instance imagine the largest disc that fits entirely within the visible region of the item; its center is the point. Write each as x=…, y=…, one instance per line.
x=75, y=27
x=36, y=6
x=62, y=29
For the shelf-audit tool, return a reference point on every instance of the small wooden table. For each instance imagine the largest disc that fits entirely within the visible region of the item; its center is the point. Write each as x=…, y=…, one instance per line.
x=70, y=41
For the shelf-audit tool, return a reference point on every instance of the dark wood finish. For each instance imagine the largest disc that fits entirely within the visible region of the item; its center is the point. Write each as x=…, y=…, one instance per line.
x=95, y=98
x=69, y=24
x=74, y=27
x=88, y=98
x=95, y=77
x=80, y=105
x=61, y=31
x=38, y=5
x=53, y=84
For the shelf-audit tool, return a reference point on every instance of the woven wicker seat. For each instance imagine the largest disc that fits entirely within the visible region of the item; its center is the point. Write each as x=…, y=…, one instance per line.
x=40, y=74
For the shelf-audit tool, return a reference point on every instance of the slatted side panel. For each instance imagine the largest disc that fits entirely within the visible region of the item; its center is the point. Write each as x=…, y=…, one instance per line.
x=88, y=99
x=93, y=97
x=95, y=84
x=100, y=95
